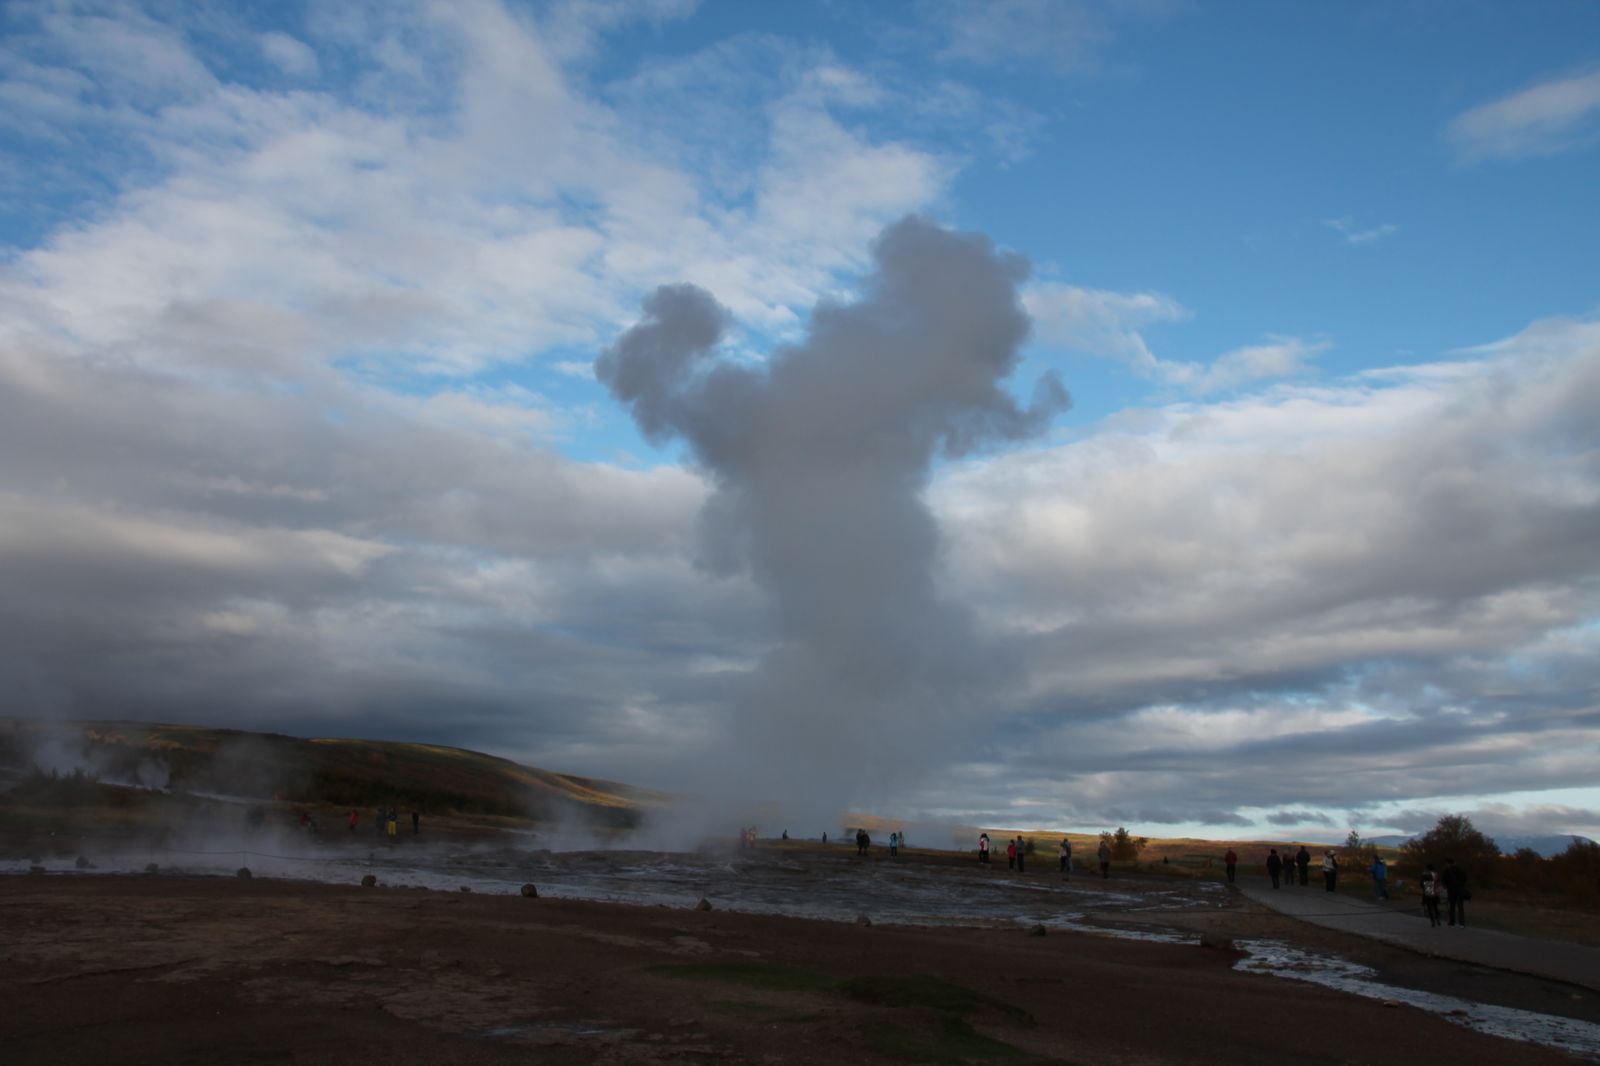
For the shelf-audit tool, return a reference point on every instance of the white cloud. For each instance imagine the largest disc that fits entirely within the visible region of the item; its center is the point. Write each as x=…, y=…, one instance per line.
x=1110, y=324
x=1544, y=119
x=1354, y=234
x=290, y=55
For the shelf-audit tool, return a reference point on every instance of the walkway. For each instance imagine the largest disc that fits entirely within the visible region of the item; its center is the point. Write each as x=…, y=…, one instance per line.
x=1553, y=959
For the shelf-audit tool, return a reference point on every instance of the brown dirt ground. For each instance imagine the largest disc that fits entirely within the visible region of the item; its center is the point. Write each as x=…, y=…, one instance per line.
x=217, y=970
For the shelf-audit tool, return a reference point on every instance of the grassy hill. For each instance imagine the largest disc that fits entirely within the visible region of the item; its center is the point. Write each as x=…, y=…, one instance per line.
x=324, y=770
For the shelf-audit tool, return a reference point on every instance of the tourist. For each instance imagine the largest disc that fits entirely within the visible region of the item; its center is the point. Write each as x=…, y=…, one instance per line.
x=1430, y=895
x=1011, y=854
x=983, y=848
x=1330, y=871
x=1274, y=866
x=1302, y=859
x=1064, y=852
x=894, y=844
x=1232, y=861
x=416, y=823
x=355, y=819
x=1456, y=891
x=1104, y=855
x=1380, y=877
x=1022, y=853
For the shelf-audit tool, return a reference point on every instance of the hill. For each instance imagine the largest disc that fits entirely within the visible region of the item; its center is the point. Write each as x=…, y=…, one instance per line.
x=327, y=770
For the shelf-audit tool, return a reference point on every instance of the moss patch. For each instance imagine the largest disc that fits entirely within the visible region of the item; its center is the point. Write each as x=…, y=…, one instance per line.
x=750, y=975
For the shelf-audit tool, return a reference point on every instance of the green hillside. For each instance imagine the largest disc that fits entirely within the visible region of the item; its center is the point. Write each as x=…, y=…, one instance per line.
x=325, y=770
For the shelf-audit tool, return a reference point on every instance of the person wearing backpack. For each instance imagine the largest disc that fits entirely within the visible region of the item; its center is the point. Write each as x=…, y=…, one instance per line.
x=1430, y=895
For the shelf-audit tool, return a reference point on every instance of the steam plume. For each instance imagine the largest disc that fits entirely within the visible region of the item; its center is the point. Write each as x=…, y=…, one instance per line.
x=819, y=461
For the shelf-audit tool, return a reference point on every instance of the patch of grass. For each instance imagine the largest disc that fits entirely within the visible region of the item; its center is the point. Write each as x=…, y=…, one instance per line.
x=761, y=1012
x=749, y=975
x=954, y=1041
x=925, y=990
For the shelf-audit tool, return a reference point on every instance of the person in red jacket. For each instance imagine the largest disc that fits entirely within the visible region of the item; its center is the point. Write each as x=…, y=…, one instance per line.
x=1011, y=854
x=1232, y=859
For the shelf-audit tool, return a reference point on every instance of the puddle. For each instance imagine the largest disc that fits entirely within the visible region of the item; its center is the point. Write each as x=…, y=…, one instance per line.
x=1277, y=959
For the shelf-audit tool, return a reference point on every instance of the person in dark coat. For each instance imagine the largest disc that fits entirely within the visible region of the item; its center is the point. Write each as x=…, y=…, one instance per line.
x=1302, y=859
x=1455, y=886
x=1232, y=861
x=1274, y=866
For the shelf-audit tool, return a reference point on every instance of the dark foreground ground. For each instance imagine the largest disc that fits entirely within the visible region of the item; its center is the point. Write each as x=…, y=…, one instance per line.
x=217, y=970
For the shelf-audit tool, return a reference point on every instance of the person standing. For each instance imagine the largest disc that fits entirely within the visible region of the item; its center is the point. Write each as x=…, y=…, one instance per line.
x=1011, y=854
x=1330, y=871
x=1274, y=866
x=1232, y=861
x=355, y=819
x=1380, y=877
x=894, y=844
x=1302, y=859
x=1022, y=853
x=1456, y=894
x=1064, y=853
x=1430, y=895
x=983, y=848
x=1104, y=855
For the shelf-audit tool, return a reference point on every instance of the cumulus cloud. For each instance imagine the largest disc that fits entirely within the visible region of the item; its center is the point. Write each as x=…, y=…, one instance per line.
x=1325, y=589
x=1544, y=119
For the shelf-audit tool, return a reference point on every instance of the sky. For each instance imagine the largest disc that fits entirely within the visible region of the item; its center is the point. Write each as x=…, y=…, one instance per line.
x=1046, y=413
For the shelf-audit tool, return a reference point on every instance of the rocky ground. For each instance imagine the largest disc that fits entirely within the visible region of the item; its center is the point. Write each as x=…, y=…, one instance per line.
x=179, y=969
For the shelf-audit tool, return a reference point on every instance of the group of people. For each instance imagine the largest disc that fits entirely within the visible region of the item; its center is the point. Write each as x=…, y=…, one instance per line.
x=1284, y=867
x=1449, y=884
x=388, y=821
x=1017, y=855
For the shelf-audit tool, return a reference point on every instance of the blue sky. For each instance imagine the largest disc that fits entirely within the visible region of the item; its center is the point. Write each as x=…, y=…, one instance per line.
x=301, y=306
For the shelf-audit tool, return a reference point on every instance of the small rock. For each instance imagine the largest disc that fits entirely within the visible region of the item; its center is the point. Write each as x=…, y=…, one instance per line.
x=369, y=881
x=530, y=892
x=863, y=920
x=1217, y=941
x=1038, y=930
x=466, y=888
x=703, y=905
x=243, y=873
x=151, y=868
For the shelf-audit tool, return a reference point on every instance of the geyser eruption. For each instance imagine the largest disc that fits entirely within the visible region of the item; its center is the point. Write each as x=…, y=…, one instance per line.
x=819, y=460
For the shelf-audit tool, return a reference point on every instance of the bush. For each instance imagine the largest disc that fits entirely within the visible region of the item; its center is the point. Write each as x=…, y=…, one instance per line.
x=1454, y=837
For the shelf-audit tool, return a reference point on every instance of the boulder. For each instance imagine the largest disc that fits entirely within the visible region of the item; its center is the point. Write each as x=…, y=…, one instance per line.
x=530, y=892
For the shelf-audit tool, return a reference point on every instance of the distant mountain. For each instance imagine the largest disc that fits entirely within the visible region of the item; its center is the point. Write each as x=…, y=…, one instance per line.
x=1546, y=844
